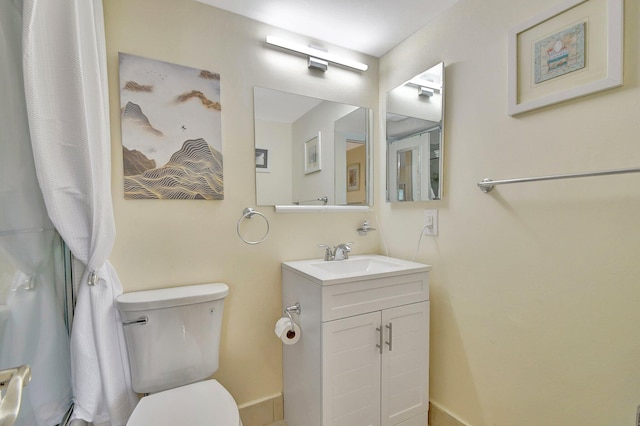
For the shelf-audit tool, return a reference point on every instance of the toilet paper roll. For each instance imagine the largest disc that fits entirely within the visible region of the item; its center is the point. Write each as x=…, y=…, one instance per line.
x=285, y=332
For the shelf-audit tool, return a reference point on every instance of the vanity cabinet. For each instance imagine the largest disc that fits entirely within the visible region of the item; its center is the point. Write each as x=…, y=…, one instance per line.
x=363, y=356
x=364, y=383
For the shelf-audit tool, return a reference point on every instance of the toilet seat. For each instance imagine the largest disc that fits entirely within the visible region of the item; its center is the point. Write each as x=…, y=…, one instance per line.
x=205, y=403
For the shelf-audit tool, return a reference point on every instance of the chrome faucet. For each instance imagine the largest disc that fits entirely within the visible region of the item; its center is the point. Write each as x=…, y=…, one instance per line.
x=339, y=252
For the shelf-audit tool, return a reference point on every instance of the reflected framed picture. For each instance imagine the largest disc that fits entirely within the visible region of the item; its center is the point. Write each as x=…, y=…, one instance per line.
x=312, y=155
x=569, y=51
x=353, y=177
x=262, y=160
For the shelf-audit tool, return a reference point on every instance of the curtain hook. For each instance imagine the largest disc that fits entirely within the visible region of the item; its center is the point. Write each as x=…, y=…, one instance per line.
x=93, y=278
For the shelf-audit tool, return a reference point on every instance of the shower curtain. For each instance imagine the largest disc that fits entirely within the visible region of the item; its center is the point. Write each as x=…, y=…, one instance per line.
x=62, y=62
x=32, y=328
x=65, y=78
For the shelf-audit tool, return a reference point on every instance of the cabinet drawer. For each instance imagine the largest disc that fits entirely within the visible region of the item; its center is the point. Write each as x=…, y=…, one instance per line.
x=354, y=298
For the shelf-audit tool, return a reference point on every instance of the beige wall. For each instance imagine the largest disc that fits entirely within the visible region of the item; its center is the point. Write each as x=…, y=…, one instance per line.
x=168, y=243
x=535, y=287
x=275, y=186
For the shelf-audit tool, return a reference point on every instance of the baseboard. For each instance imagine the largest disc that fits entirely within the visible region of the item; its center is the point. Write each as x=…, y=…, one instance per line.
x=440, y=416
x=263, y=411
x=270, y=410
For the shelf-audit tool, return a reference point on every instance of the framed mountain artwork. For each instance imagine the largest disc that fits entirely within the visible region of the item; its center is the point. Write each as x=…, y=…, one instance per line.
x=171, y=131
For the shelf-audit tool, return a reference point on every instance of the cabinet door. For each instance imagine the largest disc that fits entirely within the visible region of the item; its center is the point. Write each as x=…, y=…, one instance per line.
x=405, y=363
x=351, y=371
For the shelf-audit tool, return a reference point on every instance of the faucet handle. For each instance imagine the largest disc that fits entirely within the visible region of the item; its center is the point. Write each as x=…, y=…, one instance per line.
x=328, y=254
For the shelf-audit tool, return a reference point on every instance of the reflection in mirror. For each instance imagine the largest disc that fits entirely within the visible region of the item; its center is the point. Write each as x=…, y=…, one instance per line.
x=414, y=125
x=309, y=151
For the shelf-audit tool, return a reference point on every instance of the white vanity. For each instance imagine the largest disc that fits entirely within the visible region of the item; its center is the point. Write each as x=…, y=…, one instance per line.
x=363, y=358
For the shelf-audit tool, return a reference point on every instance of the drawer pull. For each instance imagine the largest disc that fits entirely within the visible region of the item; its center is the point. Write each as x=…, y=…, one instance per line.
x=379, y=345
x=390, y=342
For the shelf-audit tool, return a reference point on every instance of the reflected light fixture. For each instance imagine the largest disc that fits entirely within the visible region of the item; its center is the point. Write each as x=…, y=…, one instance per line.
x=425, y=92
x=317, y=58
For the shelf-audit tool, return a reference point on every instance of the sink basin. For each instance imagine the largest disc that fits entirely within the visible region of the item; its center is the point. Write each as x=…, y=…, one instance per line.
x=353, y=269
x=357, y=265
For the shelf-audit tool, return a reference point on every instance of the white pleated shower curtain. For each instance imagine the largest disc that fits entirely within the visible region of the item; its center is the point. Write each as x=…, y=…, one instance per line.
x=32, y=329
x=67, y=101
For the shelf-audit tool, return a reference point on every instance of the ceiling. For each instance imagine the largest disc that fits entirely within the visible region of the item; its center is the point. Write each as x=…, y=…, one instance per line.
x=372, y=27
x=281, y=107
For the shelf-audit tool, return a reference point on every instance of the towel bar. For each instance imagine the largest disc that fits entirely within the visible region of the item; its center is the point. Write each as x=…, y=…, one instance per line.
x=486, y=185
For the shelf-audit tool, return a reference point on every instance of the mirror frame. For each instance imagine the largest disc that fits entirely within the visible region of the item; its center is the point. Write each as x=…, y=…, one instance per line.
x=440, y=126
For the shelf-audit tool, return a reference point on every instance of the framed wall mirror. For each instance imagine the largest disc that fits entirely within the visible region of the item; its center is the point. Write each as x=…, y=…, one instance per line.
x=310, y=152
x=414, y=123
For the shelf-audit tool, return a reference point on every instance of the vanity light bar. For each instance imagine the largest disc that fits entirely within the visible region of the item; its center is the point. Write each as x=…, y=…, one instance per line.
x=315, y=53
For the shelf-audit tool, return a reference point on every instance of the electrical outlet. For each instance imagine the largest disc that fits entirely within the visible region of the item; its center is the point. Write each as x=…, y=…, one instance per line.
x=430, y=222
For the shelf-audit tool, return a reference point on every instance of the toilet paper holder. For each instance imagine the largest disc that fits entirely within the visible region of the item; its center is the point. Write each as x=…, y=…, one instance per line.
x=293, y=309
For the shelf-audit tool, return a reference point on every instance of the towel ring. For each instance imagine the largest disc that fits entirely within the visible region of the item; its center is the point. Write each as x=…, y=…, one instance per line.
x=248, y=213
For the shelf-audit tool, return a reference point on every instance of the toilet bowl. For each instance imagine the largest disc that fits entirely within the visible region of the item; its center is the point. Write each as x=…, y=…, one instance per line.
x=205, y=403
x=173, y=340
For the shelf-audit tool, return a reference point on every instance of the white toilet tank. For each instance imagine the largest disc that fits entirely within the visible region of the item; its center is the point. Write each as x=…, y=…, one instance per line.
x=172, y=334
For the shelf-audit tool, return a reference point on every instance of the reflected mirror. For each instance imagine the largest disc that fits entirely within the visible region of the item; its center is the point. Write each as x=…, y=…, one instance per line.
x=310, y=151
x=415, y=118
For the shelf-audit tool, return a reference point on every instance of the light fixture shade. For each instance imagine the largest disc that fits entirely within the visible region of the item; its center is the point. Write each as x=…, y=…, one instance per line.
x=315, y=53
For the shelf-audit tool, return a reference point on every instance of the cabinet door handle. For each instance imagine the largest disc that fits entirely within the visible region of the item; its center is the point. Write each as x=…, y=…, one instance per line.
x=390, y=342
x=379, y=345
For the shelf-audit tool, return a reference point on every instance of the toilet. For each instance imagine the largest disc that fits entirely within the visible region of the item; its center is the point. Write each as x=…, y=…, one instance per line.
x=173, y=341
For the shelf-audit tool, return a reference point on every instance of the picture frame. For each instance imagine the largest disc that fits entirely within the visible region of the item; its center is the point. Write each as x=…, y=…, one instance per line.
x=600, y=24
x=262, y=160
x=353, y=177
x=312, y=155
x=161, y=121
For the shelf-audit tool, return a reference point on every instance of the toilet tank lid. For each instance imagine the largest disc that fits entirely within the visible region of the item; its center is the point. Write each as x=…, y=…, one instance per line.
x=171, y=297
